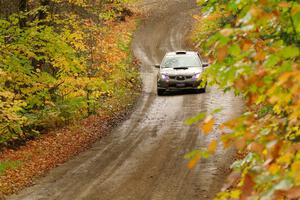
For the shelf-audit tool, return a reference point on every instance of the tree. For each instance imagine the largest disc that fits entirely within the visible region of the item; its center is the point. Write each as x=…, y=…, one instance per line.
x=47, y=76
x=254, y=48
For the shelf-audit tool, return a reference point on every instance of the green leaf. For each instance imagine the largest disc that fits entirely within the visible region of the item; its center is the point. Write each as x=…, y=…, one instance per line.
x=297, y=21
x=272, y=61
x=217, y=110
x=195, y=119
x=235, y=50
x=191, y=154
x=289, y=52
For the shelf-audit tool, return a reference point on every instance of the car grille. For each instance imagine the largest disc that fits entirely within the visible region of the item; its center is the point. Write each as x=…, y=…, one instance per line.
x=180, y=77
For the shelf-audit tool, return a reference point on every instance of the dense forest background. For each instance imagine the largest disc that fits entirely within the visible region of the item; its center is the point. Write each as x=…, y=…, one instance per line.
x=59, y=64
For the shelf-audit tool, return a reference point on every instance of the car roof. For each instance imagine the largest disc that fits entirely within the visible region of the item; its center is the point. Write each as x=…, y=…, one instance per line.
x=174, y=53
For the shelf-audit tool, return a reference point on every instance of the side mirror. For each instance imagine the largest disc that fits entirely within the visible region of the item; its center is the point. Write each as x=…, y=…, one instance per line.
x=157, y=66
x=205, y=65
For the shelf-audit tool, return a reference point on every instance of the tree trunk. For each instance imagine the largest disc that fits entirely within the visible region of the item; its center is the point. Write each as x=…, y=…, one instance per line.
x=43, y=13
x=22, y=9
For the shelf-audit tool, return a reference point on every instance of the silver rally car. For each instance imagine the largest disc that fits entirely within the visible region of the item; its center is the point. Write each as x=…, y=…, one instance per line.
x=180, y=70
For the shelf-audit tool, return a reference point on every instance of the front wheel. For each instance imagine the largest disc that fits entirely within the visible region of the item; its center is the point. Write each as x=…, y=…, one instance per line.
x=202, y=90
x=160, y=92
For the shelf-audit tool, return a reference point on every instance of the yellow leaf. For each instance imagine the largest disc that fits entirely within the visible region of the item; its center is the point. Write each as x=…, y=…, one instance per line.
x=296, y=166
x=286, y=158
x=274, y=169
x=295, y=9
x=226, y=141
x=296, y=177
x=260, y=56
x=212, y=146
x=235, y=194
x=197, y=17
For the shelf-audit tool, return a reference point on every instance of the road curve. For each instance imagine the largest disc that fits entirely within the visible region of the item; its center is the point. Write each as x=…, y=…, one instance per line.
x=142, y=159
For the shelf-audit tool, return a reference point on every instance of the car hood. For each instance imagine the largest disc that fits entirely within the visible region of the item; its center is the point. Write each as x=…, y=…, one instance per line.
x=173, y=72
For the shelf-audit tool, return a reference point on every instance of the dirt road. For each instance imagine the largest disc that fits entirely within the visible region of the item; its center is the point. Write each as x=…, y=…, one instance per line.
x=142, y=159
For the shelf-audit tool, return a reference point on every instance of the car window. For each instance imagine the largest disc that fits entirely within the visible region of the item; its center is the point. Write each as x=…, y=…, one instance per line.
x=181, y=61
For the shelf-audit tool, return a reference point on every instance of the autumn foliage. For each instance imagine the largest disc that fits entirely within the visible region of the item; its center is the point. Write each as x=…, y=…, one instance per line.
x=61, y=61
x=254, y=49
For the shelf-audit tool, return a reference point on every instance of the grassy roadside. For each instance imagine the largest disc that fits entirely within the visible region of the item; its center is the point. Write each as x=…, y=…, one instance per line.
x=20, y=167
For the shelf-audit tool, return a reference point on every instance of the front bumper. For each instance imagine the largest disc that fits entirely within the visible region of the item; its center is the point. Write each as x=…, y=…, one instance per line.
x=178, y=85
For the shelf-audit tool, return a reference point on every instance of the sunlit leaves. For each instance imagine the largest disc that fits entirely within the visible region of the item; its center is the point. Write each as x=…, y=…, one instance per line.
x=255, y=51
x=60, y=68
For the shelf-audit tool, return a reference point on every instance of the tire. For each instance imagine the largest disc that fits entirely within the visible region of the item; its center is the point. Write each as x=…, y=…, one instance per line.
x=202, y=90
x=160, y=92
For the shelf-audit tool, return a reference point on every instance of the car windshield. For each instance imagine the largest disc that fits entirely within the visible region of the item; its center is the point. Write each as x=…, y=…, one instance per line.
x=180, y=61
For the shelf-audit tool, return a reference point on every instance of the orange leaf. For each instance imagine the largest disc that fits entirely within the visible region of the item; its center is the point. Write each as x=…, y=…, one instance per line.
x=229, y=124
x=256, y=147
x=284, y=4
x=278, y=195
x=193, y=162
x=249, y=136
x=240, y=143
x=207, y=125
x=247, y=187
x=246, y=45
x=293, y=193
x=256, y=12
x=252, y=99
x=264, y=2
x=240, y=83
x=284, y=77
x=274, y=168
x=212, y=146
x=222, y=53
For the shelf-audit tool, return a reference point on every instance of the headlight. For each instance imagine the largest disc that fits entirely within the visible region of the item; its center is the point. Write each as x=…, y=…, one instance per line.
x=165, y=77
x=197, y=76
